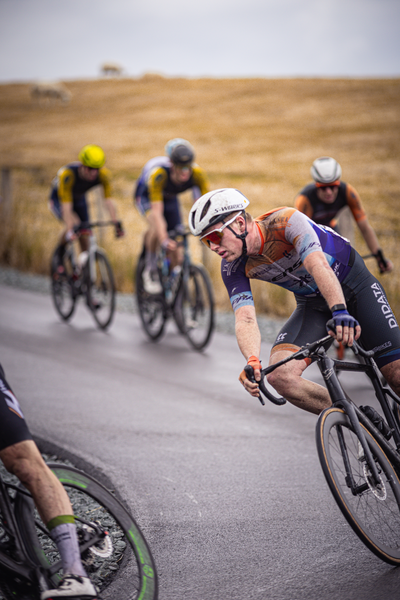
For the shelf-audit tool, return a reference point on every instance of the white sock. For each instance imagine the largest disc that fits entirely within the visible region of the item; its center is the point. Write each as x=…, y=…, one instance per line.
x=66, y=540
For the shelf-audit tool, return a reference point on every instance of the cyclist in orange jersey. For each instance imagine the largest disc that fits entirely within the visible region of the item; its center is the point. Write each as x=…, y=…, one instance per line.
x=327, y=276
x=328, y=195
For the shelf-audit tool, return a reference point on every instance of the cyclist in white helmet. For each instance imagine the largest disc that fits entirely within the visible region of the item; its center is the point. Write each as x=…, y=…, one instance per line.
x=328, y=195
x=327, y=276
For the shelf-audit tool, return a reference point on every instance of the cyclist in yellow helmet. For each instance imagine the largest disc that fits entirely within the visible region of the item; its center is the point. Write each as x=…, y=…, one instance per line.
x=68, y=193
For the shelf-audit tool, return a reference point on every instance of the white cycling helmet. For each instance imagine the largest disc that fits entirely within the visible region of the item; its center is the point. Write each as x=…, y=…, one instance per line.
x=325, y=170
x=213, y=207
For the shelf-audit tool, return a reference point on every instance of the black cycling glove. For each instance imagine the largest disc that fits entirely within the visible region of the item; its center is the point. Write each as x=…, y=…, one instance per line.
x=381, y=260
x=119, y=230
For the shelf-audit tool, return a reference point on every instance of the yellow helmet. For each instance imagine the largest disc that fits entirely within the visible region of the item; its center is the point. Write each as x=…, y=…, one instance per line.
x=92, y=156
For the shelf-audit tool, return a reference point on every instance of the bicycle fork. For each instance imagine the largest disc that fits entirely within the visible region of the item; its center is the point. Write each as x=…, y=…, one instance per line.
x=335, y=390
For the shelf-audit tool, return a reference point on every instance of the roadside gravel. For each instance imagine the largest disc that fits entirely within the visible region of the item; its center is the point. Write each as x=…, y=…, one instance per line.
x=125, y=303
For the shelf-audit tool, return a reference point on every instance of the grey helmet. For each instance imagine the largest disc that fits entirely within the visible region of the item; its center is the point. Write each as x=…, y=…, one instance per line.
x=180, y=152
x=325, y=170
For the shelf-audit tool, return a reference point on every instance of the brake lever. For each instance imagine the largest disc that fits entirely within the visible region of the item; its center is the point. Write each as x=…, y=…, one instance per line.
x=275, y=400
x=250, y=376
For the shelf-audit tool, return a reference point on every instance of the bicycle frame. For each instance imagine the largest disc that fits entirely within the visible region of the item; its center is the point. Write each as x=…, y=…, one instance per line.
x=22, y=565
x=165, y=277
x=328, y=368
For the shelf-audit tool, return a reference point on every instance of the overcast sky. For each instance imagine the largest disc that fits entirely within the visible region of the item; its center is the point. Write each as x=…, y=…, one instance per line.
x=70, y=39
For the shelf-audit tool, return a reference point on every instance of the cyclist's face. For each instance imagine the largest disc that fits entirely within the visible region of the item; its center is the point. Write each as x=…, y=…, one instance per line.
x=88, y=173
x=180, y=174
x=229, y=246
x=328, y=194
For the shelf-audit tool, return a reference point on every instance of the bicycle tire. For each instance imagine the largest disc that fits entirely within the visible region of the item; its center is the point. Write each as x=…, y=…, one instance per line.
x=373, y=512
x=93, y=504
x=197, y=307
x=151, y=307
x=62, y=291
x=100, y=289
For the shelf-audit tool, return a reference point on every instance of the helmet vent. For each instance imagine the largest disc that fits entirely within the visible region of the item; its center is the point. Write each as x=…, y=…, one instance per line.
x=193, y=215
x=205, y=209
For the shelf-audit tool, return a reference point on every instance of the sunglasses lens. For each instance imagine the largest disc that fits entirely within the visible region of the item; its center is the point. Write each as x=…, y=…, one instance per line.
x=214, y=237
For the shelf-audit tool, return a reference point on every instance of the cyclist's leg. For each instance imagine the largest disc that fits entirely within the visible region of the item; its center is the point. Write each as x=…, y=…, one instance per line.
x=172, y=216
x=81, y=211
x=22, y=458
x=306, y=324
x=379, y=328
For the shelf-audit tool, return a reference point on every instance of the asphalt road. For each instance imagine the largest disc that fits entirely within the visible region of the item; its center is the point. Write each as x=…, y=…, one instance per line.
x=229, y=494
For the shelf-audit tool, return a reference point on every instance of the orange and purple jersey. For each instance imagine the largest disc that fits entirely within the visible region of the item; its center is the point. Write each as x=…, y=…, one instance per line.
x=308, y=203
x=287, y=237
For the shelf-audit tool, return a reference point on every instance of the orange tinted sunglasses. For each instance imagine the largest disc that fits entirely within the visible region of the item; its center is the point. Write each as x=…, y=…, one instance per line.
x=215, y=236
x=328, y=185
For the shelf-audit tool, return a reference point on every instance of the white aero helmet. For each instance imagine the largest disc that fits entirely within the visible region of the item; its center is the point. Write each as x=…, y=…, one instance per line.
x=213, y=207
x=325, y=170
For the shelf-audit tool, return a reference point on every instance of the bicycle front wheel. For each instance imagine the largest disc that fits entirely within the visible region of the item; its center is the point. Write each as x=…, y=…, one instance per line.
x=100, y=289
x=373, y=511
x=197, y=307
x=62, y=290
x=151, y=307
x=110, y=540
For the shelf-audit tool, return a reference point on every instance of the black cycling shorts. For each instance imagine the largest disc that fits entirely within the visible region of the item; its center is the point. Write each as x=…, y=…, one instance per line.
x=366, y=301
x=13, y=427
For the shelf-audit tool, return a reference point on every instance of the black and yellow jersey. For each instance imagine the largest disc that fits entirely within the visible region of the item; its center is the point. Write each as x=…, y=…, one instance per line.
x=69, y=185
x=155, y=181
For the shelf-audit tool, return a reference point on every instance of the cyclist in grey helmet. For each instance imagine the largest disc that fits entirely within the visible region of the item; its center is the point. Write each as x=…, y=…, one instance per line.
x=156, y=195
x=328, y=195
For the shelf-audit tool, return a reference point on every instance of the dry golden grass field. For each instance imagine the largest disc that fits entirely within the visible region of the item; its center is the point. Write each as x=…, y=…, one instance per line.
x=259, y=135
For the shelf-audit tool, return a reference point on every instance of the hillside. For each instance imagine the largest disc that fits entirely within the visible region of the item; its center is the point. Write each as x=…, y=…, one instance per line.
x=259, y=135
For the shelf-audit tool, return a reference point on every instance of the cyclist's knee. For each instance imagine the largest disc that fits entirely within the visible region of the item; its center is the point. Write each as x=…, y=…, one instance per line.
x=284, y=380
x=23, y=460
x=391, y=372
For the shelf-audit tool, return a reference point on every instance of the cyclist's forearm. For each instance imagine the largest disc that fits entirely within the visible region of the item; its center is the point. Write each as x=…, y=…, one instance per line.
x=110, y=205
x=67, y=215
x=326, y=280
x=247, y=332
x=369, y=236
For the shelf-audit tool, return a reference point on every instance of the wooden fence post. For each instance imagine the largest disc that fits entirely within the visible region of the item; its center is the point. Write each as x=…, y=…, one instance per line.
x=6, y=191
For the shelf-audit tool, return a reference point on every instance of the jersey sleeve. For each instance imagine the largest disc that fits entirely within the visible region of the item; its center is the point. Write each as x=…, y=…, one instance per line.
x=303, y=204
x=201, y=181
x=237, y=283
x=105, y=179
x=301, y=232
x=355, y=204
x=156, y=182
x=66, y=180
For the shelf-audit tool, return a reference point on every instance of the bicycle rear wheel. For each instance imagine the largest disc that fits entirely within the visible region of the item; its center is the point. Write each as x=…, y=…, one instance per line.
x=197, y=307
x=110, y=540
x=62, y=290
x=100, y=289
x=151, y=307
x=373, y=511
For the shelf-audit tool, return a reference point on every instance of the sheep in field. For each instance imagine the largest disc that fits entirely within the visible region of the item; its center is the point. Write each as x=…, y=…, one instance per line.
x=111, y=69
x=48, y=92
